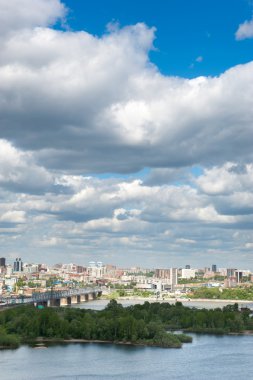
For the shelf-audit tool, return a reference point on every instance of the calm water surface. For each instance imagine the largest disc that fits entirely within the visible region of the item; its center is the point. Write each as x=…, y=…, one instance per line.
x=208, y=357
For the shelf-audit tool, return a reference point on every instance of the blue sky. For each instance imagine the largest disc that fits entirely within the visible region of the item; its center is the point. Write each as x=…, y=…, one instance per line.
x=186, y=30
x=129, y=144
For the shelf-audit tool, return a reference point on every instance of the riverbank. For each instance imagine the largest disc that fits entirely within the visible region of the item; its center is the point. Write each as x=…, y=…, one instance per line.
x=182, y=300
x=45, y=341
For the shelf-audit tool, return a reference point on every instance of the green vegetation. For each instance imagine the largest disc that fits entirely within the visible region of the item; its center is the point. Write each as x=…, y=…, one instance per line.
x=218, y=277
x=191, y=281
x=240, y=293
x=146, y=274
x=114, y=324
x=127, y=293
x=20, y=282
x=146, y=324
x=32, y=284
x=8, y=340
x=184, y=338
x=200, y=279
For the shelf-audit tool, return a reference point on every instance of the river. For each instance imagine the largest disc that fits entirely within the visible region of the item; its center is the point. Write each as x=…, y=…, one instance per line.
x=208, y=357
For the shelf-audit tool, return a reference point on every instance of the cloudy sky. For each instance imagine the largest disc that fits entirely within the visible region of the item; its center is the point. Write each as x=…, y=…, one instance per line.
x=126, y=132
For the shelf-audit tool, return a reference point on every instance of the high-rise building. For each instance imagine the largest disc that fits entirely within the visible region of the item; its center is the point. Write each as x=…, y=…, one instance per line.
x=162, y=273
x=96, y=270
x=187, y=266
x=18, y=265
x=214, y=268
x=231, y=272
x=2, y=262
x=168, y=274
x=239, y=275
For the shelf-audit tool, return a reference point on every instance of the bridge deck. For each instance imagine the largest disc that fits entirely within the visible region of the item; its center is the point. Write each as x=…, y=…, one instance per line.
x=49, y=295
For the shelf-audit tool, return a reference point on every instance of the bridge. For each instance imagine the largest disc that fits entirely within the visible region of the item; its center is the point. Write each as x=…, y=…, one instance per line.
x=55, y=297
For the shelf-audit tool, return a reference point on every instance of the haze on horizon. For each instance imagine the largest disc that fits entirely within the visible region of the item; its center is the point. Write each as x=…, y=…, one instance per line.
x=126, y=132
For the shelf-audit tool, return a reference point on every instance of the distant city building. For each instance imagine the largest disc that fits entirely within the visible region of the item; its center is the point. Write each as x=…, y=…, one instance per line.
x=18, y=265
x=69, y=267
x=238, y=275
x=134, y=270
x=96, y=270
x=167, y=274
x=43, y=268
x=2, y=261
x=209, y=274
x=9, y=270
x=231, y=272
x=214, y=268
x=80, y=269
x=30, y=268
x=162, y=273
x=222, y=271
x=187, y=266
x=200, y=272
x=173, y=277
x=230, y=282
x=188, y=273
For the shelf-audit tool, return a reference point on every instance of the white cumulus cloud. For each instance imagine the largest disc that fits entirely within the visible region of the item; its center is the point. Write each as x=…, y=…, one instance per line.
x=245, y=30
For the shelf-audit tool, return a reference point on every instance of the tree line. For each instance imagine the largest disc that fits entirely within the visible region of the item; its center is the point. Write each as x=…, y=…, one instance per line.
x=239, y=293
x=137, y=324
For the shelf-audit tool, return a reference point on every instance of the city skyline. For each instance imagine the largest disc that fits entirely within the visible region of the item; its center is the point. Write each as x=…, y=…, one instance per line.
x=126, y=132
x=19, y=266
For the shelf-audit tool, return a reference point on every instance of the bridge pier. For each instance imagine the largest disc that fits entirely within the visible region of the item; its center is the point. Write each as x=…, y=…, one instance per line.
x=54, y=302
x=73, y=300
x=68, y=300
x=63, y=302
x=92, y=296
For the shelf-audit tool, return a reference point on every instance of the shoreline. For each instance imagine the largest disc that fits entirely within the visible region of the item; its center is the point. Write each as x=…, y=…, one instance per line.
x=173, y=300
x=39, y=342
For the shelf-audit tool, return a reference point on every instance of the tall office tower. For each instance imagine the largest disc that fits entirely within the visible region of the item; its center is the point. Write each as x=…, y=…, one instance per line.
x=173, y=276
x=214, y=268
x=168, y=274
x=18, y=265
x=239, y=275
x=231, y=272
x=2, y=262
x=163, y=273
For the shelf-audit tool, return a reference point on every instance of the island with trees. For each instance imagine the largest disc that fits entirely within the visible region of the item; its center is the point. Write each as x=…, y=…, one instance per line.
x=150, y=324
